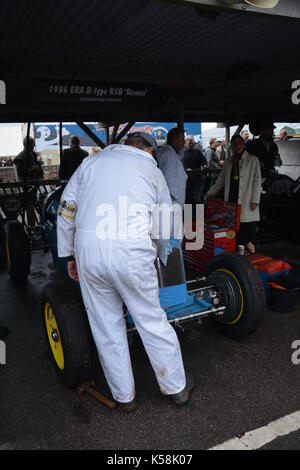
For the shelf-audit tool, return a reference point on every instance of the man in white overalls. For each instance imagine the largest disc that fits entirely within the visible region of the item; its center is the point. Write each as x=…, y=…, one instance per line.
x=115, y=266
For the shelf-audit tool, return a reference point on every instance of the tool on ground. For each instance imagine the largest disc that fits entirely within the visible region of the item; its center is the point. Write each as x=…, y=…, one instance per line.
x=89, y=388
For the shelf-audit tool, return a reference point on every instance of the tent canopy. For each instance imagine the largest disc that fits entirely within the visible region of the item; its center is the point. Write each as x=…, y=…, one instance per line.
x=147, y=60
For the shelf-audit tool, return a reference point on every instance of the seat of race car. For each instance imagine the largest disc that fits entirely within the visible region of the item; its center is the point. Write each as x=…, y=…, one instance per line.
x=171, y=277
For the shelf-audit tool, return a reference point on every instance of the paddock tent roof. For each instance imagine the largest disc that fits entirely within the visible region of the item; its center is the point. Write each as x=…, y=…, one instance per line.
x=215, y=64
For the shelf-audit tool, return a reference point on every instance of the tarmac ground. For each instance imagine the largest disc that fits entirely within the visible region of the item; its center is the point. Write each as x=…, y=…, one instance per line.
x=240, y=385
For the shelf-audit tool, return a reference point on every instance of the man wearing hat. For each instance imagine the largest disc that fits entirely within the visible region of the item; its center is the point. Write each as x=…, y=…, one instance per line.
x=119, y=188
x=265, y=149
x=221, y=152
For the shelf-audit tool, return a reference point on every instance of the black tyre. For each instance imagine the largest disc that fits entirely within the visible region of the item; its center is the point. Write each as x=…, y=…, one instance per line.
x=18, y=254
x=241, y=290
x=67, y=332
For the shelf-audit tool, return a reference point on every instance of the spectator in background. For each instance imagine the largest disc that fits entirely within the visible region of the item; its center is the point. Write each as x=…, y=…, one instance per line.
x=221, y=151
x=71, y=158
x=94, y=151
x=40, y=160
x=33, y=168
x=210, y=151
x=28, y=167
x=241, y=180
x=193, y=157
x=283, y=136
x=170, y=162
x=265, y=149
x=9, y=162
x=211, y=154
x=245, y=135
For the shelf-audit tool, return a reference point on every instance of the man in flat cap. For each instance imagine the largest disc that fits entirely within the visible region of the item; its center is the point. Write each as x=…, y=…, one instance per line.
x=116, y=266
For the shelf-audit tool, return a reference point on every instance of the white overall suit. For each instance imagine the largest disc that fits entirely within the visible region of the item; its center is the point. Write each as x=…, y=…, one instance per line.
x=120, y=268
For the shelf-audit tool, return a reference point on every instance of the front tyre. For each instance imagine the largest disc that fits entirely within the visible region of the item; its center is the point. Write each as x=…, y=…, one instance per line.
x=240, y=288
x=67, y=333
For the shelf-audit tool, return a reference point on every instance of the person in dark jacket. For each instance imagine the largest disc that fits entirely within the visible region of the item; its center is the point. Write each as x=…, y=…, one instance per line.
x=193, y=157
x=265, y=149
x=33, y=168
x=71, y=158
x=28, y=167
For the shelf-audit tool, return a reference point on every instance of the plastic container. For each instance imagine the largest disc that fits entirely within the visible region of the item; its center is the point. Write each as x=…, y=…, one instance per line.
x=273, y=266
x=256, y=258
x=270, y=270
x=284, y=293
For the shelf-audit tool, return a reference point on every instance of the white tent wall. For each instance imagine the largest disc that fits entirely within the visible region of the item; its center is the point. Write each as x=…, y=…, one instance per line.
x=10, y=140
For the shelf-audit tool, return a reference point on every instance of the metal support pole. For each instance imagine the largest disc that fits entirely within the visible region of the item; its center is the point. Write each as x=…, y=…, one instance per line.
x=114, y=133
x=25, y=170
x=91, y=134
x=239, y=129
x=107, y=134
x=180, y=120
x=60, y=142
x=127, y=128
x=227, y=139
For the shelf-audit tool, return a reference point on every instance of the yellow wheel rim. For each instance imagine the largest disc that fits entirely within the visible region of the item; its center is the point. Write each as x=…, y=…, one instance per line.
x=241, y=292
x=7, y=254
x=54, y=336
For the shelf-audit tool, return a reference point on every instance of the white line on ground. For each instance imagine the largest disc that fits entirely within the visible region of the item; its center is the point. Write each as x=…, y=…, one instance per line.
x=262, y=436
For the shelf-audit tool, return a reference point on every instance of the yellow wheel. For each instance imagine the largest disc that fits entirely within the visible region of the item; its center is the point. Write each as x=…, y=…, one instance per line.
x=67, y=333
x=54, y=336
x=238, y=317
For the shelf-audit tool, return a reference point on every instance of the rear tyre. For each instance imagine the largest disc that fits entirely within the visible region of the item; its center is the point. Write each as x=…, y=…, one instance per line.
x=241, y=290
x=67, y=333
x=18, y=254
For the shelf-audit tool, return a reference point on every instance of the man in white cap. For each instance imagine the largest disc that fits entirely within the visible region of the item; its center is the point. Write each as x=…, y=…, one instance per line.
x=117, y=266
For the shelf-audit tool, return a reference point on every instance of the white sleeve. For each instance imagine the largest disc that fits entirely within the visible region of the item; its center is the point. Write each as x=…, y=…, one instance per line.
x=162, y=222
x=166, y=164
x=66, y=214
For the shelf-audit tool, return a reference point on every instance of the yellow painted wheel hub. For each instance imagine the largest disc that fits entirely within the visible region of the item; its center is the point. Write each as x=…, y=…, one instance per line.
x=54, y=336
x=241, y=293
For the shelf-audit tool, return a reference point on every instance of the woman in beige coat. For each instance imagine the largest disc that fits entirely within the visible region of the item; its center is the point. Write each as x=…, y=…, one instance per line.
x=241, y=180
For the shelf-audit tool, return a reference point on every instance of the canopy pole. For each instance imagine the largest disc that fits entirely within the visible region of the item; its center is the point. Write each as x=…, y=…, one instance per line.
x=107, y=134
x=114, y=133
x=91, y=134
x=25, y=170
x=60, y=142
x=227, y=138
x=180, y=120
x=127, y=128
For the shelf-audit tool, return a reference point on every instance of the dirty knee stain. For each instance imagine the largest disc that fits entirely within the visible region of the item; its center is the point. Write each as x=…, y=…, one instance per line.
x=162, y=372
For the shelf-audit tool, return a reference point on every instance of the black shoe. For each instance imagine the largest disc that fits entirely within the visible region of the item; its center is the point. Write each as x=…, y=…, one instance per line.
x=183, y=397
x=128, y=407
x=3, y=332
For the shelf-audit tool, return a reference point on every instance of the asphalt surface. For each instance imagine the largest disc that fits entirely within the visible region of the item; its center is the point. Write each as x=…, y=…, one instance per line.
x=240, y=385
